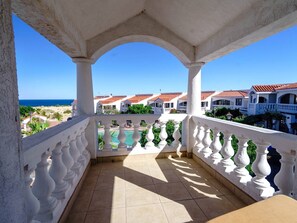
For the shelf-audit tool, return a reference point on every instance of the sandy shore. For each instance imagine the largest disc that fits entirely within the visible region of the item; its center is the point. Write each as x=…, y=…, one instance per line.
x=49, y=111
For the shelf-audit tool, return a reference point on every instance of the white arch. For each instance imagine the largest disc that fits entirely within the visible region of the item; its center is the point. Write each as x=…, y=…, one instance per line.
x=140, y=28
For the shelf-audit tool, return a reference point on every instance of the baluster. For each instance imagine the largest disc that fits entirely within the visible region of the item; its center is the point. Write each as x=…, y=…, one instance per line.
x=163, y=135
x=75, y=155
x=216, y=147
x=284, y=179
x=200, y=136
x=80, y=148
x=176, y=135
x=150, y=137
x=122, y=137
x=227, y=152
x=242, y=159
x=136, y=136
x=32, y=203
x=68, y=162
x=107, y=137
x=206, y=151
x=43, y=187
x=262, y=169
x=86, y=153
x=58, y=171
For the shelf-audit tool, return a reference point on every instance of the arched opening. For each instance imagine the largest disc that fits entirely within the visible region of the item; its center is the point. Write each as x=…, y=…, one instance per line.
x=252, y=97
x=262, y=99
x=288, y=99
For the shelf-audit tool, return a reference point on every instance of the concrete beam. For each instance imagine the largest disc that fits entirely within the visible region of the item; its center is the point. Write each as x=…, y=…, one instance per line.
x=140, y=28
x=263, y=19
x=47, y=18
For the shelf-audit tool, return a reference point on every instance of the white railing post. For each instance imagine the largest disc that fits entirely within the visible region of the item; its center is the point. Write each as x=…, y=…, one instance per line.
x=150, y=136
x=227, y=152
x=242, y=159
x=176, y=135
x=75, y=155
x=262, y=169
x=85, y=143
x=216, y=147
x=107, y=137
x=284, y=179
x=43, y=187
x=58, y=171
x=136, y=136
x=80, y=148
x=32, y=203
x=206, y=151
x=122, y=136
x=163, y=135
x=200, y=136
x=68, y=162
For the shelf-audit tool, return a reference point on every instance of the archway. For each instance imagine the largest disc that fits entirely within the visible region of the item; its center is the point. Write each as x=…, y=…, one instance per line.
x=288, y=99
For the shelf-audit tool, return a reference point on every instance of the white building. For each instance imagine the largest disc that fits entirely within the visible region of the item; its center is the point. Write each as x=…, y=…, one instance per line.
x=165, y=102
x=96, y=100
x=135, y=100
x=205, y=101
x=233, y=99
x=274, y=98
x=109, y=105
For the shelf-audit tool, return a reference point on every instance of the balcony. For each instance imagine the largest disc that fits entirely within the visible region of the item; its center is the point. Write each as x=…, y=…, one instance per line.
x=146, y=183
x=290, y=108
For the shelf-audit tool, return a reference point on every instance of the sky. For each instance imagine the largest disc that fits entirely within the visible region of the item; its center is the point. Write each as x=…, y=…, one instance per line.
x=46, y=72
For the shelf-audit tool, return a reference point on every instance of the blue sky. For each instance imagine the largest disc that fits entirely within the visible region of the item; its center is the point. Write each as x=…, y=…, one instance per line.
x=45, y=72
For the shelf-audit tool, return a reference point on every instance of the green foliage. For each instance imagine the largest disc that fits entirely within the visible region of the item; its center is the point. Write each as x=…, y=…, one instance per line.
x=25, y=111
x=139, y=109
x=36, y=126
x=57, y=116
x=68, y=111
x=222, y=112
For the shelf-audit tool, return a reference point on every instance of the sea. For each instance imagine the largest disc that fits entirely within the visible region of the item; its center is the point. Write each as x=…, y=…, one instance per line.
x=45, y=102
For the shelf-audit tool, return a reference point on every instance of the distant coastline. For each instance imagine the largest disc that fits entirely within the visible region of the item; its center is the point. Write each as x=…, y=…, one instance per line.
x=45, y=102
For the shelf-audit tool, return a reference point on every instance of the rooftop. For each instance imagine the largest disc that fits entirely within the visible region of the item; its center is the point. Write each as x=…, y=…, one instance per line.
x=111, y=100
x=267, y=88
x=232, y=93
x=287, y=86
x=166, y=96
x=139, y=97
x=204, y=95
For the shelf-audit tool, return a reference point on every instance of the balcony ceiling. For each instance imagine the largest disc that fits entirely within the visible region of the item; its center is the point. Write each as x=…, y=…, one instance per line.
x=201, y=30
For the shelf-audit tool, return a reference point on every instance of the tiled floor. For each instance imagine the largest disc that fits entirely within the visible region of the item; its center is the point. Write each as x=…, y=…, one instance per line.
x=151, y=190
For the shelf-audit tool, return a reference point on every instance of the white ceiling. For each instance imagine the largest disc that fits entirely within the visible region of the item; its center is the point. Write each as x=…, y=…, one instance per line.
x=192, y=20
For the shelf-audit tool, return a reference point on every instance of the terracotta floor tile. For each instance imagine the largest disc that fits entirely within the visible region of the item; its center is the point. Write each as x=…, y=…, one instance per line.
x=76, y=217
x=107, y=198
x=103, y=215
x=137, y=195
x=213, y=207
x=183, y=211
x=172, y=192
x=152, y=213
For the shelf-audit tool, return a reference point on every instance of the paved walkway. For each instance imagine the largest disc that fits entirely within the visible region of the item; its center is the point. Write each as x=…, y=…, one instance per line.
x=151, y=190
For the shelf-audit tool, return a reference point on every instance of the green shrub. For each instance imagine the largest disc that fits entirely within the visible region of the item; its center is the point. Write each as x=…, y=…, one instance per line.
x=68, y=111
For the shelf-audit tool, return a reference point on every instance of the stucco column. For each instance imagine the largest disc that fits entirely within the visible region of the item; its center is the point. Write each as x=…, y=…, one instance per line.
x=85, y=101
x=12, y=183
x=193, y=105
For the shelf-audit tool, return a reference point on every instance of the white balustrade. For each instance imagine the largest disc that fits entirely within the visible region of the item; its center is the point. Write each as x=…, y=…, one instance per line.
x=163, y=136
x=43, y=187
x=75, y=155
x=122, y=137
x=242, y=159
x=150, y=136
x=32, y=203
x=86, y=153
x=136, y=136
x=206, y=151
x=48, y=191
x=258, y=186
x=107, y=136
x=176, y=135
x=80, y=148
x=58, y=171
x=216, y=147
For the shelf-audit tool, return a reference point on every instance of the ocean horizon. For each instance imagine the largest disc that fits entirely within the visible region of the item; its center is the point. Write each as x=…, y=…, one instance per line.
x=45, y=102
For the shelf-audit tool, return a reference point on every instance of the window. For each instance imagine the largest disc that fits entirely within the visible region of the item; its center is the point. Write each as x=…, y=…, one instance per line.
x=221, y=102
x=167, y=105
x=113, y=107
x=238, y=101
x=171, y=105
x=184, y=104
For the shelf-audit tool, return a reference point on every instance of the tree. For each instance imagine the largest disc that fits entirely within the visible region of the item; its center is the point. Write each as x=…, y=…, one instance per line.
x=25, y=111
x=139, y=109
x=37, y=127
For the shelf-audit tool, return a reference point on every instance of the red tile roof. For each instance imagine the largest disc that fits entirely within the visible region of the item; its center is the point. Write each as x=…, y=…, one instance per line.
x=111, y=100
x=232, y=93
x=267, y=88
x=204, y=95
x=166, y=96
x=139, y=97
x=100, y=97
x=287, y=86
